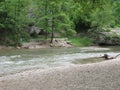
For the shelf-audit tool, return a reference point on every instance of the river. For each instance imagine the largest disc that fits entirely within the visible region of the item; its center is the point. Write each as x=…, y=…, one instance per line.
x=18, y=60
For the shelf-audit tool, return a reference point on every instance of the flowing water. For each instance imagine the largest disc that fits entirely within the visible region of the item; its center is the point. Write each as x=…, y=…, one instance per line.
x=18, y=60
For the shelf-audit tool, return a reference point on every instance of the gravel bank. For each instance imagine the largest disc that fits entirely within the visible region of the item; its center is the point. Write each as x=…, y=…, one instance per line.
x=98, y=76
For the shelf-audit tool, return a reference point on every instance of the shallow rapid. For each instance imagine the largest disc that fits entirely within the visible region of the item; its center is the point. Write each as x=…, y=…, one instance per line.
x=18, y=60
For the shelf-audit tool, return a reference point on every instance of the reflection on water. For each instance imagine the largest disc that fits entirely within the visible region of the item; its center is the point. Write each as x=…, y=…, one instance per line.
x=14, y=60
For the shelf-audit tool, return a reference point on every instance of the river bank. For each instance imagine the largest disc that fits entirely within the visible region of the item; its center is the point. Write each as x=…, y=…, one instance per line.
x=97, y=76
x=37, y=44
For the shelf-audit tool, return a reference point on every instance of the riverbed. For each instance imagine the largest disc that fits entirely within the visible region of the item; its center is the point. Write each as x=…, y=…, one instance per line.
x=92, y=76
x=18, y=60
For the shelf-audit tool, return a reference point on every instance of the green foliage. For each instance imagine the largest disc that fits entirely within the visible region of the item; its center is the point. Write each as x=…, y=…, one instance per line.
x=102, y=17
x=94, y=14
x=12, y=21
x=56, y=16
x=53, y=19
x=116, y=12
x=81, y=41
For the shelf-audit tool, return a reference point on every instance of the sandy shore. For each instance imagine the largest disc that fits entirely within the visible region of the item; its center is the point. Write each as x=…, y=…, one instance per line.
x=98, y=76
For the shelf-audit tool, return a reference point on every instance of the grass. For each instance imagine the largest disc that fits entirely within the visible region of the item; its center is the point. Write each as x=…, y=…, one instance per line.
x=76, y=41
x=81, y=41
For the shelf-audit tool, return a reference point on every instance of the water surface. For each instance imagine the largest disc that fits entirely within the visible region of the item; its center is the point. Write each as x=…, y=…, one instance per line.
x=17, y=60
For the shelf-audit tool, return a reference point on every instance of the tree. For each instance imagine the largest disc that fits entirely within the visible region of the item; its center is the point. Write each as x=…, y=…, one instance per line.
x=93, y=14
x=53, y=18
x=56, y=16
x=11, y=24
x=116, y=12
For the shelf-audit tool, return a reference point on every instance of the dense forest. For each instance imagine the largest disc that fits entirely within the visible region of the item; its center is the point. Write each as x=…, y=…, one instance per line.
x=67, y=17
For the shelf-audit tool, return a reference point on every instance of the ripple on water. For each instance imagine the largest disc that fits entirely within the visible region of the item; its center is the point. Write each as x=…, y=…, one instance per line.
x=41, y=59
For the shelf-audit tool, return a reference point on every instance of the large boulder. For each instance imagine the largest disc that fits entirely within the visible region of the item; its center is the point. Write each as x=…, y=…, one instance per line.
x=35, y=30
x=61, y=42
x=108, y=37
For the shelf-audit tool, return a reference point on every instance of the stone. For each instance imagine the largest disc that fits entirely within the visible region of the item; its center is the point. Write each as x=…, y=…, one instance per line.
x=108, y=38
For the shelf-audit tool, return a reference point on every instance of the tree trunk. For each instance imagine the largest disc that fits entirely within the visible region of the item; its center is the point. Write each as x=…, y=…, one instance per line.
x=46, y=20
x=52, y=36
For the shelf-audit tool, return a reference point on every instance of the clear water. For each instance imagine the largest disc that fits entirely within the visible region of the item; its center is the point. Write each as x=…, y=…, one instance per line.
x=15, y=60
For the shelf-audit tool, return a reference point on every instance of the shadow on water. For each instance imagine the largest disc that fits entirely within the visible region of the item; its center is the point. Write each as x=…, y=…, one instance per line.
x=88, y=60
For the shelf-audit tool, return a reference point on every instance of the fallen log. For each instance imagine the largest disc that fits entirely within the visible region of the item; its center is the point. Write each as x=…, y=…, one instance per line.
x=107, y=57
x=117, y=55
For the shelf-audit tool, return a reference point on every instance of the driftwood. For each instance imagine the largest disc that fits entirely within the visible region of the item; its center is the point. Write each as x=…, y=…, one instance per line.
x=117, y=55
x=107, y=57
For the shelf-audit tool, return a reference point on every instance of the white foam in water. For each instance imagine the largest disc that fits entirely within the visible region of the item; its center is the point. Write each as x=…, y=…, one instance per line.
x=20, y=62
x=27, y=61
x=8, y=62
x=3, y=58
x=15, y=56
